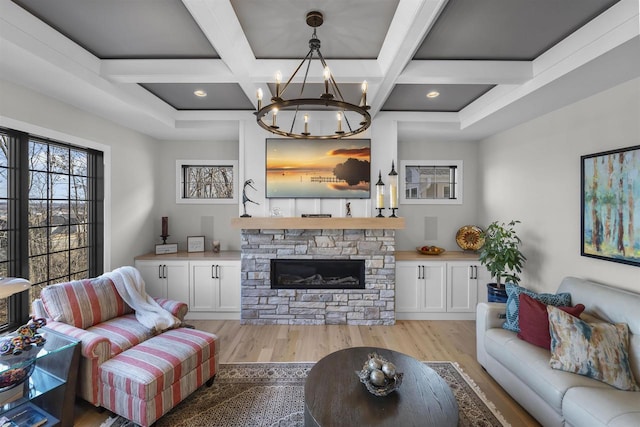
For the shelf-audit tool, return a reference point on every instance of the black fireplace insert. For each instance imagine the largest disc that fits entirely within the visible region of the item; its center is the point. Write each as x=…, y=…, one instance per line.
x=317, y=274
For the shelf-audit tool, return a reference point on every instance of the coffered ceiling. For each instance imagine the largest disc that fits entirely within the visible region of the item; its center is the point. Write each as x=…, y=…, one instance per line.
x=495, y=63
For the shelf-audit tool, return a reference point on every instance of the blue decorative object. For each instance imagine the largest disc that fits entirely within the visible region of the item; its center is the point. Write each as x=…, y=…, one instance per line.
x=513, y=303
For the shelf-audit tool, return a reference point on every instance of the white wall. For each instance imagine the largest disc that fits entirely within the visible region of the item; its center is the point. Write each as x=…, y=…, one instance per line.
x=437, y=224
x=209, y=220
x=532, y=173
x=130, y=165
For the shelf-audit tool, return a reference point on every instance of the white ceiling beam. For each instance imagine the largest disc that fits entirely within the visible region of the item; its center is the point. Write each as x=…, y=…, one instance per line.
x=615, y=27
x=466, y=72
x=411, y=22
x=219, y=23
x=36, y=56
x=19, y=27
x=166, y=71
x=421, y=116
x=344, y=70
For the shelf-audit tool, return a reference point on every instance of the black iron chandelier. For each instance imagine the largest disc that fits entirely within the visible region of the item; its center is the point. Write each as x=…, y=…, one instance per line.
x=331, y=100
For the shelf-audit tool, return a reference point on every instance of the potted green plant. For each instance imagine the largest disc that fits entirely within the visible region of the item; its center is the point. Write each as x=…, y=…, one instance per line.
x=502, y=257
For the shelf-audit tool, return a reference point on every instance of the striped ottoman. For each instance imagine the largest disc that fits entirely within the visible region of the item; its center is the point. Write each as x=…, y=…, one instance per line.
x=144, y=382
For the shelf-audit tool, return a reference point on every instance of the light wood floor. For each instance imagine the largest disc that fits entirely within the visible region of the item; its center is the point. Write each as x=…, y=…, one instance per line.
x=423, y=340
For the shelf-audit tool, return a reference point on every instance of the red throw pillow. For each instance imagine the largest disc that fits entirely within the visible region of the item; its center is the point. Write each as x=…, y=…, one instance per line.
x=534, y=320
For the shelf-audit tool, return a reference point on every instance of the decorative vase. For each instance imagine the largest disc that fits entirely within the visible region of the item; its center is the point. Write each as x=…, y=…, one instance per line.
x=496, y=293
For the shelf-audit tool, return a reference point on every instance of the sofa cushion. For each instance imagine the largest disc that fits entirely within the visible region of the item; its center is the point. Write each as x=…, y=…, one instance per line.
x=513, y=303
x=83, y=303
x=122, y=332
x=593, y=407
x=145, y=370
x=531, y=365
x=534, y=320
x=597, y=350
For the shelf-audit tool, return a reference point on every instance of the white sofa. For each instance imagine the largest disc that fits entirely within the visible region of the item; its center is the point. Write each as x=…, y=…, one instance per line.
x=553, y=397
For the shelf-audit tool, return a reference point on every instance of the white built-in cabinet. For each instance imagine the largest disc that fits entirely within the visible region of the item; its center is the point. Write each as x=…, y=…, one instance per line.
x=208, y=282
x=165, y=279
x=214, y=286
x=436, y=288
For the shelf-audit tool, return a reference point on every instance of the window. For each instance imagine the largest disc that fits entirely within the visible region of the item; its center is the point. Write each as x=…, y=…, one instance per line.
x=51, y=216
x=206, y=181
x=431, y=182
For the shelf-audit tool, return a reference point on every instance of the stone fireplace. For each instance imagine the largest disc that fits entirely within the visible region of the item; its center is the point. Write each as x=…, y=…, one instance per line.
x=313, y=251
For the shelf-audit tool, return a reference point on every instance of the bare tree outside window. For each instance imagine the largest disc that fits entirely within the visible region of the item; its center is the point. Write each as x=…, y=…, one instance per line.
x=209, y=181
x=49, y=213
x=58, y=219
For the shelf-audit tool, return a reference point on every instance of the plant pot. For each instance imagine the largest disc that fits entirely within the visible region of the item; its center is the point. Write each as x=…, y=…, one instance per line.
x=496, y=293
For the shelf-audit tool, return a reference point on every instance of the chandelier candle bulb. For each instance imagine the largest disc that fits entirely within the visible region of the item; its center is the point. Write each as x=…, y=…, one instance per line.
x=306, y=124
x=278, y=81
x=327, y=76
x=339, y=116
x=365, y=85
x=274, y=113
x=259, y=96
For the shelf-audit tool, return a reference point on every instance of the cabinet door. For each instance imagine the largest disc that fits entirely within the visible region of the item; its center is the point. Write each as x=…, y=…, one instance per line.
x=177, y=275
x=153, y=274
x=462, y=287
x=203, y=286
x=228, y=297
x=435, y=287
x=409, y=287
x=484, y=278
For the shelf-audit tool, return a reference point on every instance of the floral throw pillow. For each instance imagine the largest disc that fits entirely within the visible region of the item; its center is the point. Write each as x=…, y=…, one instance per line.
x=596, y=350
x=512, y=322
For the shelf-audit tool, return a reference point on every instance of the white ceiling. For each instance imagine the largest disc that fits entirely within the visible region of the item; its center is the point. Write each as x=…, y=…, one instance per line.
x=496, y=63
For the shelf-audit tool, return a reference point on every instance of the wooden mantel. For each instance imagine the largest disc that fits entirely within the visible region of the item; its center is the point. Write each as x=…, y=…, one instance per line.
x=298, y=223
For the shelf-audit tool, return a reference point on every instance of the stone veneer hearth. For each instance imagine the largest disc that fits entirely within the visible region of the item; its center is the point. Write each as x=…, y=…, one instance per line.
x=374, y=305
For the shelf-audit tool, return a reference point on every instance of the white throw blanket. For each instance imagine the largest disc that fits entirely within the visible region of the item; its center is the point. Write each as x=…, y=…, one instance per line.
x=130, y=286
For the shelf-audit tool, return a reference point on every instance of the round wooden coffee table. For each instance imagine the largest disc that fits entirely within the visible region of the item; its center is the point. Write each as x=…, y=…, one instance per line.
x=334, y=395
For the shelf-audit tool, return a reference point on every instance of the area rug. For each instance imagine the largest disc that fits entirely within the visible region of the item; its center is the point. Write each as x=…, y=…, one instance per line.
x=272, y=395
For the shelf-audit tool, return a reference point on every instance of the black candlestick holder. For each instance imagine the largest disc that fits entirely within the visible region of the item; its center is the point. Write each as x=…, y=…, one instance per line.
x=380, y=213
x=393, y=213
x=164, y=238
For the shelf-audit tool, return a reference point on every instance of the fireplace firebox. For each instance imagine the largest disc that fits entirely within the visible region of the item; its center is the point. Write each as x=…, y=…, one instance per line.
x=317, y=274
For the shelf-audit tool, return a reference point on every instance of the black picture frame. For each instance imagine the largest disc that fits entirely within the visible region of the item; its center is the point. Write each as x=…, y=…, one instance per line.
x=610, y=200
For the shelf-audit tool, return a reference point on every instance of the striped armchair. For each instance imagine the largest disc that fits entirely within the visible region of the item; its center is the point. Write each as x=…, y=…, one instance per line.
x=126, y=367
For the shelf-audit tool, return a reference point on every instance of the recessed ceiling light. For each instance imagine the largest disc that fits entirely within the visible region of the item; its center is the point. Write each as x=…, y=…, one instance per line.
x=200, y=93
x=433, y=94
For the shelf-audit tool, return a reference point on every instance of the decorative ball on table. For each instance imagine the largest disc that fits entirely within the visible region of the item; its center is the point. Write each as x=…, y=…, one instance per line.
x=379, y=375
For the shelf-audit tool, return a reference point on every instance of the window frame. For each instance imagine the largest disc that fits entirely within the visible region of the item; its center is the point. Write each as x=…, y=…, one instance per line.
x=180, y=182
x=18, y=202
x=458, y=164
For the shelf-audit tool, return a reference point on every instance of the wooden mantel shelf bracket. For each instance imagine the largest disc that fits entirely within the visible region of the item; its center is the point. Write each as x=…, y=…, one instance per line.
x=299, y=223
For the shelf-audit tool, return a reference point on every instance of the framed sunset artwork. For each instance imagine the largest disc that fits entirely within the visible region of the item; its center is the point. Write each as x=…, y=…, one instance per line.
x=314, y=168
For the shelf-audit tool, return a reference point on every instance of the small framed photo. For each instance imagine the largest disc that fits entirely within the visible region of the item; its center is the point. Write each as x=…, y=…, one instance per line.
x=167, y=248
x=195, y=244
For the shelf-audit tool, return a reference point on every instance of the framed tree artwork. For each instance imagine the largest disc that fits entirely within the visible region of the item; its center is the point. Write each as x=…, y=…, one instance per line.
x=610, y=205
x=206, y=181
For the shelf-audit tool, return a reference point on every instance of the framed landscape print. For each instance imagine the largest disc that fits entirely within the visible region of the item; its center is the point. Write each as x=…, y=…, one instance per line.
x=206, y=181
x=315, y=168
x=610, y=205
